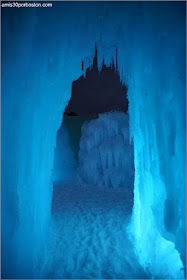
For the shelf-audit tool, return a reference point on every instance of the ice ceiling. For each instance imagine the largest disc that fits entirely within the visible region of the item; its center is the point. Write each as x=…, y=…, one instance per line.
x=42, y=52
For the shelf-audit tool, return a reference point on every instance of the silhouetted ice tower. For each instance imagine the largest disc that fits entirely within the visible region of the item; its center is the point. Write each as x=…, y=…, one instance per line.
x=99, y=91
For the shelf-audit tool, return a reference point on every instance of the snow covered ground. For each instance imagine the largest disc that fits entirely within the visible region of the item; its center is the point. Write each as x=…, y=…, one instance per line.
x=88, y=238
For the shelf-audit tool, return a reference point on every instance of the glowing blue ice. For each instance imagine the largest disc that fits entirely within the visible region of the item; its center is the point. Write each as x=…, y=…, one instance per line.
x=42, y=51
x=64, y=158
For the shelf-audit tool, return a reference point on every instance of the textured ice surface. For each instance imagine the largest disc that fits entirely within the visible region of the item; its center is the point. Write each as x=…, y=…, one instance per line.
x=158, y=127
x=106, y=156
x=87, y=238
x=42, y=53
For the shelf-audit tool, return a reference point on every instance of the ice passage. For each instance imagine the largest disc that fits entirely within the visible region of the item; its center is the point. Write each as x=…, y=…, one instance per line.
x=42, y=53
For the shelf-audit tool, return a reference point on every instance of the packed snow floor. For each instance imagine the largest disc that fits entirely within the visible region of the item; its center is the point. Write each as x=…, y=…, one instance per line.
x=88, y=238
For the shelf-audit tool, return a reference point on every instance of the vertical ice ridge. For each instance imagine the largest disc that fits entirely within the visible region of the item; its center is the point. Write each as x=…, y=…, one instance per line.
x=105, y=158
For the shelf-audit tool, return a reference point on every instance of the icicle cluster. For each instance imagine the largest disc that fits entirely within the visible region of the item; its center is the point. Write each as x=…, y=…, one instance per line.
x=106, y=155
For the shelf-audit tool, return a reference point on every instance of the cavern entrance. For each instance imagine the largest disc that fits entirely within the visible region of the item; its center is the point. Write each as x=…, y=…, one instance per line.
x=93, y=179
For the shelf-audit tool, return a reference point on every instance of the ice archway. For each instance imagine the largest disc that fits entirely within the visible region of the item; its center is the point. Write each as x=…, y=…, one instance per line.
x=42, y=50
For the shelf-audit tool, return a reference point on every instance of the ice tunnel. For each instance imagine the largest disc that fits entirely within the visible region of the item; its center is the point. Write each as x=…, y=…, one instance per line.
x=97, y=99
x=43, y=51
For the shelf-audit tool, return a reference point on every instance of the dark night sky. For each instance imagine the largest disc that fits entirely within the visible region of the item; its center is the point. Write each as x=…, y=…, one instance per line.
x=98, y=92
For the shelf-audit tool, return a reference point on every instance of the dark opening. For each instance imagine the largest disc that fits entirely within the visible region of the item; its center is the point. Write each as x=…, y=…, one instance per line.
x=98, y=92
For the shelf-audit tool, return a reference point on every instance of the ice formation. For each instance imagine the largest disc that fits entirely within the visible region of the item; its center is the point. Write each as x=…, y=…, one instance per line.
x=64, y=158
x=41, y=56
x=106, y=156
x=157, y=116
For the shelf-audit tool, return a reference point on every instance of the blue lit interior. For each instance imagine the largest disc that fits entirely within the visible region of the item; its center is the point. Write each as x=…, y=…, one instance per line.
x=109, y=227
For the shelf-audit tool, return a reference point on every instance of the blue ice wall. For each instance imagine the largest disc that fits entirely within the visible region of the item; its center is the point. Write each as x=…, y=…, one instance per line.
x=157, y=96
x=67, y=149
x=36, y=85
x=42, y=50
x=64, y=158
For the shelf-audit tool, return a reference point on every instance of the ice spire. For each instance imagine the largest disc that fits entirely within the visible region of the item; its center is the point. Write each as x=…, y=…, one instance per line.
x=95, y=65
x=103, y=62
x=116, y=60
